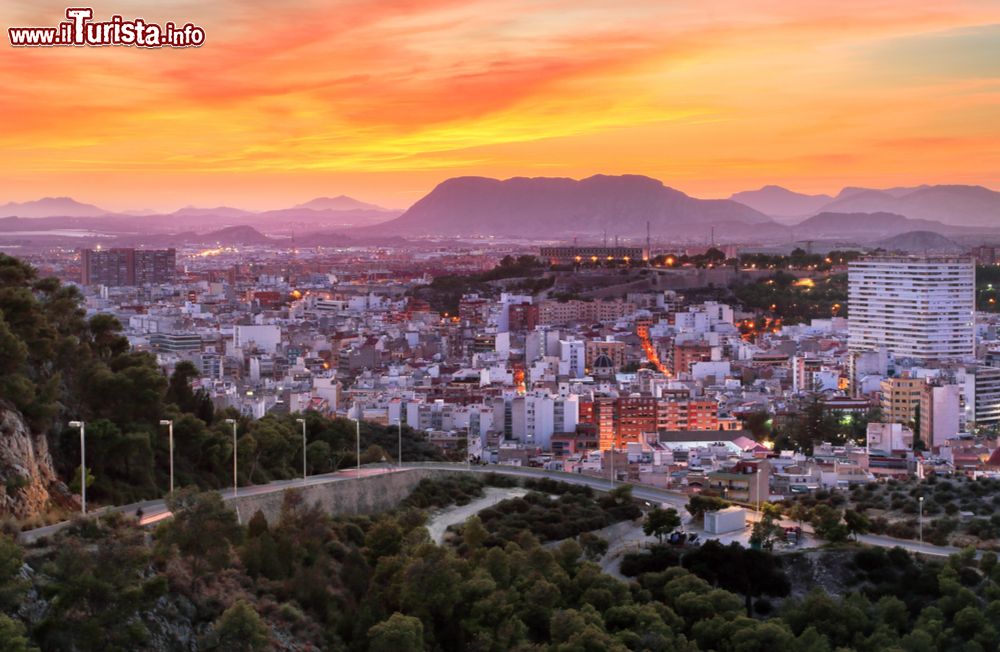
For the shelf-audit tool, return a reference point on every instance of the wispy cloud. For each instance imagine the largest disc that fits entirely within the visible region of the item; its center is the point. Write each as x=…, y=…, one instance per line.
x=713, y=95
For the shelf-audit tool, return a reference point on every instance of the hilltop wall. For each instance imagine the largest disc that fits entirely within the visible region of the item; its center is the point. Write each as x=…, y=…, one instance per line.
x=366, y=495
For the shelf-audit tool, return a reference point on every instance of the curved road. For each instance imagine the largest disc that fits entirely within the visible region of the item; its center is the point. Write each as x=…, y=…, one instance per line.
x=154, y=511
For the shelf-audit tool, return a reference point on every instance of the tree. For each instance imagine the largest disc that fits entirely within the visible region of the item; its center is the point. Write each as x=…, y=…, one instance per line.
x=11, y=562
x=474, y=534
x=12, y=638
x=594, y=547
x=106, y=339
x=397, y=633
x=699, y=504
x=203, y=529
x=759, y=423
x=179, y=390
x=856, y=522
x=826, y=522
x=798, y=513
x=385, y=538
x=768, y=529
x=661, y=522
x=240, y=629
x=99, y=582
x=812, y=423
x=735, y=568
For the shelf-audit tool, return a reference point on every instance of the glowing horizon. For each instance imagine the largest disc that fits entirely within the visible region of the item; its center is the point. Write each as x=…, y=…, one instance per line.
x=383, y=100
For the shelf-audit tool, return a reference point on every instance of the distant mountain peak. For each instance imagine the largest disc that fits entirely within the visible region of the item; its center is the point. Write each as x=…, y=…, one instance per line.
x=919, y=242
x=955, y=205
x=549, y=206
x=51, y=207
x=338, y=203
x=778, y=201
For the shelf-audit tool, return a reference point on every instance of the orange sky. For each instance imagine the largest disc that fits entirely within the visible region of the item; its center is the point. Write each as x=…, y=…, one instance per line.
x=382, y=100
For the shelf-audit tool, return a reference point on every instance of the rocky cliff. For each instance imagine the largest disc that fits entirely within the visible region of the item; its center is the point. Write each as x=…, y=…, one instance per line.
x=29, y=486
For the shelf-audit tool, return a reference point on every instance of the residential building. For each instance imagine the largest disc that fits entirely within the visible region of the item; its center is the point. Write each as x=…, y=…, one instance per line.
x=919, y=307
x=124, y=267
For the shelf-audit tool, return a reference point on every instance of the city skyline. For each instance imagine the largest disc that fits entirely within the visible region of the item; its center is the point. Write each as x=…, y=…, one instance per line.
x=383, y=102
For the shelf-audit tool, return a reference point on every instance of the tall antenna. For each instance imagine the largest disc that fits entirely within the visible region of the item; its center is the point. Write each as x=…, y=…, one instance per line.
x=605, y=237
x=649, y=251
x=712, y=243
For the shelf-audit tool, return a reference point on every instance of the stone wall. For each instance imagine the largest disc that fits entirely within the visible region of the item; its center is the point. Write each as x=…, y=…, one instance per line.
x=367, y=495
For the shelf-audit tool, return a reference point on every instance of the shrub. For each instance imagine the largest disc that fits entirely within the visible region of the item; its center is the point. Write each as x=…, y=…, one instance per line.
x=654, y=560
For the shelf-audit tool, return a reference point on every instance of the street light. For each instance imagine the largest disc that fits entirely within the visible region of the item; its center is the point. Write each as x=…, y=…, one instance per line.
x=170, y=429
x=921, y=521
x=235, y=483
x=400, y=424
x=612, y=465
x=303, y=422
x=83, y=463
x=357, y=424
x=758, y=490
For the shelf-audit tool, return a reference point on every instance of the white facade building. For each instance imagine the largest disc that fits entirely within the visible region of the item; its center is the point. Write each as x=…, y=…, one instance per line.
x=573, y=356
x=266, y=338
x=920, y=307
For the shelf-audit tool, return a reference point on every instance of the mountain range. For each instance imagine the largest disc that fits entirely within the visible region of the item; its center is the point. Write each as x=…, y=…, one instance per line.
x=64, y=212
x=953, y=205
x=561, y=208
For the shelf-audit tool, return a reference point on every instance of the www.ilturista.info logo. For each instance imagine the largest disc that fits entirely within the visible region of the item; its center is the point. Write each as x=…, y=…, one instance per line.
x=80, y=30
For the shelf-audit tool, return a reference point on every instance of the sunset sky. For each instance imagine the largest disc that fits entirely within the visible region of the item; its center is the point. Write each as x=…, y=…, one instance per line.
x=381, y=100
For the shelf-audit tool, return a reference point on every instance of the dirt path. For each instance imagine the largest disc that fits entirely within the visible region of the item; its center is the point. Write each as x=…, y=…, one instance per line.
x=455, y=514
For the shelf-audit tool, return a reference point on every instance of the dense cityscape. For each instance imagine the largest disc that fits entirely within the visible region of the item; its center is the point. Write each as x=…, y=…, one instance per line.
x=615, y=352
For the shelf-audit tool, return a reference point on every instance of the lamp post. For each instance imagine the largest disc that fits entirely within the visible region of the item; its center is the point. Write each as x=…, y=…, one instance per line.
x=758, y=490
x=357, y=425
x=921, y=520
x=170, y=433
x=468, y=446
x=235, y=483
x=303, y=422
x=83, y=463
x=400, y=424
x=612, y=464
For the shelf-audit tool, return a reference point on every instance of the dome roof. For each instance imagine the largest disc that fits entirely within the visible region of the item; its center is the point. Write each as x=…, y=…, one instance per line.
x=602, y=361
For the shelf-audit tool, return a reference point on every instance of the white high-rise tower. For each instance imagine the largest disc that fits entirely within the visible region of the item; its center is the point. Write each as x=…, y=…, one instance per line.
x=920, y=307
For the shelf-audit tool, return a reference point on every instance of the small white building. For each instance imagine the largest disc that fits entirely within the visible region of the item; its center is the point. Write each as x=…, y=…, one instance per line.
x=730, y=519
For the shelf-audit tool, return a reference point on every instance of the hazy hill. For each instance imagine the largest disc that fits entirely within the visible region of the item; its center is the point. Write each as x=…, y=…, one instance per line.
x=229, y=236
x=326, y=217
x=50, y=206
x=781, y=202
x=64, y=212
x=919, y=242
x=236, y=235
x=534, y=207
x=872, y=225
x=219, y=211
x=338, y=203
x=953, y=205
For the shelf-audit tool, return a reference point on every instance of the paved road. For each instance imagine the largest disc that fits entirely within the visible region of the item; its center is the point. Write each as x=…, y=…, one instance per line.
x=156, y=510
